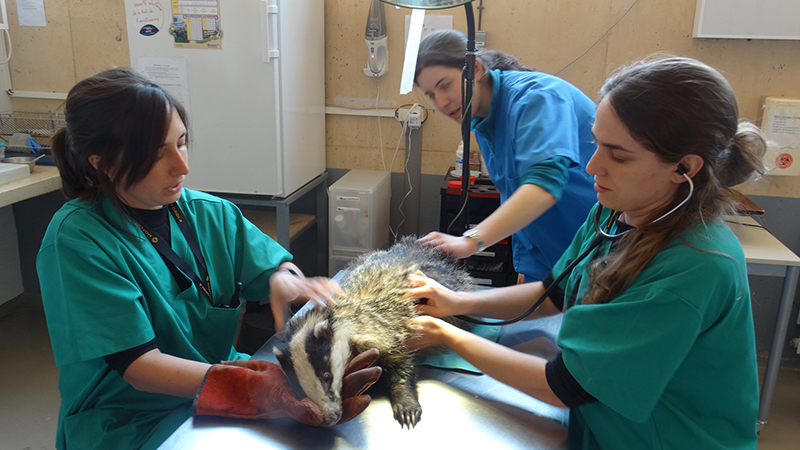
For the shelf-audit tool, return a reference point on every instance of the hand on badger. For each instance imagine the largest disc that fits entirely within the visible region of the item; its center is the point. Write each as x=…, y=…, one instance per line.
x=288, y=285
x=458, y=246
x=251, y=389
x=358, y=377
x=427, y=331
x=437, y=300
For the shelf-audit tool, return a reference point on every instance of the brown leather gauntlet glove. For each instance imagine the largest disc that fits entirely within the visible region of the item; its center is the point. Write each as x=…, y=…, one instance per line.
x=252, y=390
x=358, y=377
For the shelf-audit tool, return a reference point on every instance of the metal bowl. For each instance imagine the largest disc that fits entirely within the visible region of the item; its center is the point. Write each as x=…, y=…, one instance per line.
x=29, y=160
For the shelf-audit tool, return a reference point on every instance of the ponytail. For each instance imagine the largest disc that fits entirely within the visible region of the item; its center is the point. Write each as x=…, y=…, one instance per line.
x=120, y=117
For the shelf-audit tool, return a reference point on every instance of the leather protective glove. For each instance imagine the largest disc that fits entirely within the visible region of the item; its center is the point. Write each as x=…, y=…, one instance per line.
x=250, y=389
x=358, y=377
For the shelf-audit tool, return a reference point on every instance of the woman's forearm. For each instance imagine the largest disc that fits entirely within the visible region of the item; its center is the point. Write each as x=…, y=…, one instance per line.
x=524, y=206
x=165, y=374
x=507, y=302
x=518, y=370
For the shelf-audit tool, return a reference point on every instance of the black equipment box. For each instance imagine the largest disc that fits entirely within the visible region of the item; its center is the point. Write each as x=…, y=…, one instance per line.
x=494, y=266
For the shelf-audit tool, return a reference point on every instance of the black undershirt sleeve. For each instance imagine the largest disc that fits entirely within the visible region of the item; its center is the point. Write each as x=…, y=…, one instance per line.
x=566, y=388
x=557, y=295
x=121, y=360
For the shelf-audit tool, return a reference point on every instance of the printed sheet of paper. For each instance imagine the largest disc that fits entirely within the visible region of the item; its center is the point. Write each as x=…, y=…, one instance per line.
x=195, y=24
x=148, y=16
x=781, y=125
x=171, y=74
x=31, y=13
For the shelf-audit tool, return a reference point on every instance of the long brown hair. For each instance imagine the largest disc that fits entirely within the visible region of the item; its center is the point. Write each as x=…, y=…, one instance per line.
x=676, y=107
x=120, y=116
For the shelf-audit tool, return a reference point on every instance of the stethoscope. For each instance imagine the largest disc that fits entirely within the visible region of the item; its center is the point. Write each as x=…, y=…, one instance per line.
x=601, y=235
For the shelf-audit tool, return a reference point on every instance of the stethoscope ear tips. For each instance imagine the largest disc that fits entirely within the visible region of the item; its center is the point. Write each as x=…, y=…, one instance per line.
x=681, y=170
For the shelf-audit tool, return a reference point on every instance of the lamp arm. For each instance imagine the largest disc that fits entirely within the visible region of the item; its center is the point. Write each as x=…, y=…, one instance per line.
x=466, y=113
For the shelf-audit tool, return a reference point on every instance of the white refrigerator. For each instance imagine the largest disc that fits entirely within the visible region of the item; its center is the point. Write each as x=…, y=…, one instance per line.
x=251, y=73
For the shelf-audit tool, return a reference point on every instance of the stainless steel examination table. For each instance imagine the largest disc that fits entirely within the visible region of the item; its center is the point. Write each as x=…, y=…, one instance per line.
x=459, y=410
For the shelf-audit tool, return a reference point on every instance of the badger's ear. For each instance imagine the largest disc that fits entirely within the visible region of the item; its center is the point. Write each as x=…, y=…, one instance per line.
x=323, y=330
x=283, y=355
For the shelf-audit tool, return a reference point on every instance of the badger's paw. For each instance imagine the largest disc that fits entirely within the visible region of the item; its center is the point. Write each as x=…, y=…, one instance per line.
x=408, y=414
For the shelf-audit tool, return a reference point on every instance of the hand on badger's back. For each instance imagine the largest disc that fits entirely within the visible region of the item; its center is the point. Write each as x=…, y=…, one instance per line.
x=315, y=348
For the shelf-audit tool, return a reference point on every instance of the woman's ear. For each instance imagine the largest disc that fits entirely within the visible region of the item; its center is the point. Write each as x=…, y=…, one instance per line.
x=480, y=70
x=690, y=165
x=94, y=160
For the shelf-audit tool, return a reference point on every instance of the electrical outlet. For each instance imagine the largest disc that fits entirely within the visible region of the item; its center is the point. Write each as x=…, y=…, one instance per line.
x=414, y=119
x=402, y=114
x=480, y=40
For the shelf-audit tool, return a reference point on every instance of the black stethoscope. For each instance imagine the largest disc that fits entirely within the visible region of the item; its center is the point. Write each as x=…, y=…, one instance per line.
x=601, y=235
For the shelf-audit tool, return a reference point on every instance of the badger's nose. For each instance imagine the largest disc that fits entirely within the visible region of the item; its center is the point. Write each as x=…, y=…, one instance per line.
x=330, y=419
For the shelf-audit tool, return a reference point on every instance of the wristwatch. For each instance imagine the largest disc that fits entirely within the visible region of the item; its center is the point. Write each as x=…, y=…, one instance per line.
x=473, y=234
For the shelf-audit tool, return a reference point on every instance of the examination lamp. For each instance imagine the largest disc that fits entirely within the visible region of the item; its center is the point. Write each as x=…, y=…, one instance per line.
x=469, y=77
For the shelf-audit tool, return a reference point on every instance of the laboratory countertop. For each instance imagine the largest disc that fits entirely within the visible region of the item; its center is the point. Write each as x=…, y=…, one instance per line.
x=759, y=245
x=42, y=180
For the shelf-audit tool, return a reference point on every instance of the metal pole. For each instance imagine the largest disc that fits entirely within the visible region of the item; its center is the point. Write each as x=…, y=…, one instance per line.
x=466, y=115
x=776, y=350
x=411, y=180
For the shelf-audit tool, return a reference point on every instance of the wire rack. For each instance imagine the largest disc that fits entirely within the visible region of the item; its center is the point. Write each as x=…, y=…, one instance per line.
x=17, y=126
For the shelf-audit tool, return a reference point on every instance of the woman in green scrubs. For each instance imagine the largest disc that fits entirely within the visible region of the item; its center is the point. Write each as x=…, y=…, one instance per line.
x=139, y=279
x=657, y=346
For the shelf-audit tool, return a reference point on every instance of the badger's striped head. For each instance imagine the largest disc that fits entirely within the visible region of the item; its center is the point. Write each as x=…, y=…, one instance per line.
x=314, y=354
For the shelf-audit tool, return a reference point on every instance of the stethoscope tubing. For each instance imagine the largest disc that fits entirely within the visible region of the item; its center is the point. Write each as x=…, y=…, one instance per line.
x=599, y=237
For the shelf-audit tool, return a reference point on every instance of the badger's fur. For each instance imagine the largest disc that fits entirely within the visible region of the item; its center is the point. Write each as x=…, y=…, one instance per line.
x=315, y=348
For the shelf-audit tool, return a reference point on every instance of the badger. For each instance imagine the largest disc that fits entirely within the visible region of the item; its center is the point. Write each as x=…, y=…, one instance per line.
x=315, y=348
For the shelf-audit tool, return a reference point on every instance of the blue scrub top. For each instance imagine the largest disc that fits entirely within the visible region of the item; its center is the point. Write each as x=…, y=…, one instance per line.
x=535, y=117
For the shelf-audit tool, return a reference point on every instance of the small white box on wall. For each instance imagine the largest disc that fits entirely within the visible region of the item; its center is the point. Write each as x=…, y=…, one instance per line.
x=781, y=125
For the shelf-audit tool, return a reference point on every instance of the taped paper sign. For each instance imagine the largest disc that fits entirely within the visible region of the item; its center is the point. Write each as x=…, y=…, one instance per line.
x=781, y=125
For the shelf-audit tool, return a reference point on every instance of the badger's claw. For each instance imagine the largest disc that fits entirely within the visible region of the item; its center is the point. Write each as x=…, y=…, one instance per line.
x=407, y=415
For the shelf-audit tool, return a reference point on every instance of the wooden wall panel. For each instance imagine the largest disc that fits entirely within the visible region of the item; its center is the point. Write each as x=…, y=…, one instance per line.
x=85, y=36
x=82, y=37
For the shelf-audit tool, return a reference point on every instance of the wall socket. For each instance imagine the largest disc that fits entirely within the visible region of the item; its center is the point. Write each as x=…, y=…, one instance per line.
x=480, y=40
x=401, y=113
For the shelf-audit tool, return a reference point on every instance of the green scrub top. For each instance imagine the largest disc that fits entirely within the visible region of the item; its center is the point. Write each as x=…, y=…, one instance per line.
x=106, y=289
x=672, y=360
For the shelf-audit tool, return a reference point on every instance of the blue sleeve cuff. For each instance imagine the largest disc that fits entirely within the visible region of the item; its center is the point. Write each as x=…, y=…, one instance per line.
x=551, y=175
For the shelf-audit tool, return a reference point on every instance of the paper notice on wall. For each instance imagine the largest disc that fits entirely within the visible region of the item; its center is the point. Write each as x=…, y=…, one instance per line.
x=781, y=125
x=196, y=24
x=148, y=16
x=171, y=74
x=31, y=13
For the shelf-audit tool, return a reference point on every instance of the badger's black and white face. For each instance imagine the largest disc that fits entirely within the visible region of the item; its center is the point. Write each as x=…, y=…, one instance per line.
x=314, y=355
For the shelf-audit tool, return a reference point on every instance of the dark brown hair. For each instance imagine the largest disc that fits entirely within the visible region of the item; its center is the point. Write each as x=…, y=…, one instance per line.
x=448, y=48
x=120, y=116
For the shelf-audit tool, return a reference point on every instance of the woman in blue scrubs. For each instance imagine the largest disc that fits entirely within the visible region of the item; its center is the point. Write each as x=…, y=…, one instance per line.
x=139, y=279
x=534, y=132
x=657, y=346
